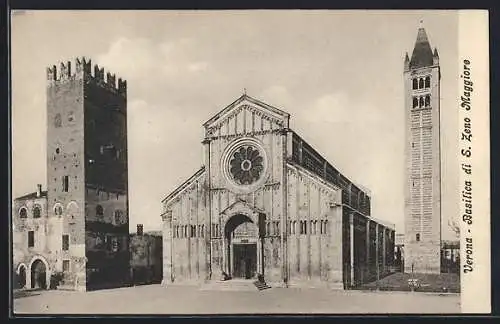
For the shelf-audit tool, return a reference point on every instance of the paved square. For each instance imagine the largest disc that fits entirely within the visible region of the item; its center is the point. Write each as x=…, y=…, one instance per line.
x=155, y=299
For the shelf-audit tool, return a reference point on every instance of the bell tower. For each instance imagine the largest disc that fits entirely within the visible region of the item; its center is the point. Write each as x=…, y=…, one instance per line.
x=423, y=158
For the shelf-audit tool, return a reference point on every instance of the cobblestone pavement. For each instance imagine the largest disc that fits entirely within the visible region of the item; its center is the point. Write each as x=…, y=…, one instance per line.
x=155, y=299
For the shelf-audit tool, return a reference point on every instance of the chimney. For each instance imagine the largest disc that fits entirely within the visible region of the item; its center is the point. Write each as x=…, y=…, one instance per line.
x=39, y=190
x=139, y=229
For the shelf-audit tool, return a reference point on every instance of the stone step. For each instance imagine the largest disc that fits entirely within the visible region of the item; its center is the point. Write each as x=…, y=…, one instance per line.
x=234, y=285
x=261, y=285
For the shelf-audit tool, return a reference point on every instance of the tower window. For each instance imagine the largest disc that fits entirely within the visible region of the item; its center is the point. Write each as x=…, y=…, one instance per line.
x=65, y=181
x=23, y=213
x=421, y=102
x=427, y=100
x=99, y=211
x=57, y=121
x=412, y=144
x=417, y=237
x=65, y=242
x=118, y=216
x=31, y=239
x=428, y=82
x=415, y=102
x=415, y=84
x=36, y=212
x=115, y=246
x=421, y=83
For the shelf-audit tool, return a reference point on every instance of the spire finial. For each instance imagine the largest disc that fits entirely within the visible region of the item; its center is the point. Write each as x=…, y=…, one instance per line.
x=245, y=91
x=421, y=23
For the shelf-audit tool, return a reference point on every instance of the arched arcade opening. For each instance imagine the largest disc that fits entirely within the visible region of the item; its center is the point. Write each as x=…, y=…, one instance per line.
x=38, y=274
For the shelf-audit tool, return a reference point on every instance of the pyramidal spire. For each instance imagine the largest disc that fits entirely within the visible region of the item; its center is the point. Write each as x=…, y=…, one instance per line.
x=407, y=62
x=422, y=52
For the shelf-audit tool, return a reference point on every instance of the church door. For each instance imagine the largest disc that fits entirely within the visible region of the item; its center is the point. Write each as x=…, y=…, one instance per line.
x=245, y=260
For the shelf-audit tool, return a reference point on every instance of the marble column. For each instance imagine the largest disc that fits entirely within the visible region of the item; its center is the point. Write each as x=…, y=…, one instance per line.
x=208, y=210
x=168, y=274
x=377, y=249
x=351, y=252
x=284, y=210
x=384, y=249
x=368, y=244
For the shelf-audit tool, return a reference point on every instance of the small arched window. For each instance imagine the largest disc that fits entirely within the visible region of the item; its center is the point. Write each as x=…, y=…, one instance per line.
x=58, y=210
x=421, y=102
x=417, y=237
x=427, y=100
x=37, y=212
x=23, y=213
x=303, y=227
x=421, y=83
x=428, y=82
x=415, y=84
x=99, y=211
x=415, y=102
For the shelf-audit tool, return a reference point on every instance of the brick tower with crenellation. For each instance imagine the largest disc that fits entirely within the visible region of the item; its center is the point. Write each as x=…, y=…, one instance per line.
x=87, y=174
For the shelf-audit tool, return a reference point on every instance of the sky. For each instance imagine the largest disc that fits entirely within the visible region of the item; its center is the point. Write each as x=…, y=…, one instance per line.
x=338, y=73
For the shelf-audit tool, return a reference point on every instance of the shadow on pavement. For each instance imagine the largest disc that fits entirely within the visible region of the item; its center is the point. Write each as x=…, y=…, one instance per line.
x=26, y=293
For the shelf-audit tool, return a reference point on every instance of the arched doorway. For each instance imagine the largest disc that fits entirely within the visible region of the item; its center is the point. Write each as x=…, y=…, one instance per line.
x=38, y=275
x=21, y=276
x=242, y=247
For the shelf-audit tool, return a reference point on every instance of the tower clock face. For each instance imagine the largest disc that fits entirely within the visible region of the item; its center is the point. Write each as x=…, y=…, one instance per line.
x=244, y=165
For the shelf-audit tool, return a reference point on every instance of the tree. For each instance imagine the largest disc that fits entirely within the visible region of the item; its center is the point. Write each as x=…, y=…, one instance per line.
x=455, y=227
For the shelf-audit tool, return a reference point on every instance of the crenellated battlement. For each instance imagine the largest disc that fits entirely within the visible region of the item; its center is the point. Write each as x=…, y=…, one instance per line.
x=82, y=69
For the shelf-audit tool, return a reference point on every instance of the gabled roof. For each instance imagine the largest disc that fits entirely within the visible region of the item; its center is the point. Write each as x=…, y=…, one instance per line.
x=254, y=101
x=422, y=53
x=32, y=195
x=185, y=184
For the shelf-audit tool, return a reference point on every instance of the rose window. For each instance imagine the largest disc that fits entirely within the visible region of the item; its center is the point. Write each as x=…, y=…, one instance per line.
x=246, y=165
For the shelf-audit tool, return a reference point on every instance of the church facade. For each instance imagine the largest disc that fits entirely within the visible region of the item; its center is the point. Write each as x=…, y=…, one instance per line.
x=266, y=205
